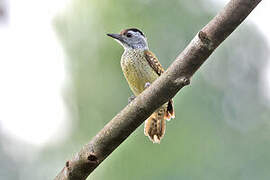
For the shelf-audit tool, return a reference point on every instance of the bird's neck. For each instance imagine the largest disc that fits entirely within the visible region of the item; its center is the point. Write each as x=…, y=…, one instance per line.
x=137, y=49
x=135, y=46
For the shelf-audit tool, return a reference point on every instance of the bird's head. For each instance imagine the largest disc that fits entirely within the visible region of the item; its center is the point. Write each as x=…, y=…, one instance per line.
x=131, y=39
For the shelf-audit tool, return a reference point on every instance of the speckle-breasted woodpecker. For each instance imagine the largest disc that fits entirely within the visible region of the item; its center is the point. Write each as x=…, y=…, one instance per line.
x=141, y=68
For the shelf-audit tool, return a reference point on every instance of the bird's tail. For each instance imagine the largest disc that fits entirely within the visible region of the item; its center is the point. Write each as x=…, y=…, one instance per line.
x=155, y=125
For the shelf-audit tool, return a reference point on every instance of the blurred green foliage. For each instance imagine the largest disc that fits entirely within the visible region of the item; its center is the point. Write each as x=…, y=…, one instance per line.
x=221, y=130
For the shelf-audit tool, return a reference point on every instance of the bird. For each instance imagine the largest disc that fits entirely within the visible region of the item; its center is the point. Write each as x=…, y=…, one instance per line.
x=141, y=68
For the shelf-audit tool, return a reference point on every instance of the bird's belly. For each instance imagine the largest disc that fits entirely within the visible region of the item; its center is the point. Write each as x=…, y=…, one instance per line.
x=137, y=74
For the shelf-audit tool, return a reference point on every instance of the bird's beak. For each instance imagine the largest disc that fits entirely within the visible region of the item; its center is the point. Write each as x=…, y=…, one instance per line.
x=116, y=36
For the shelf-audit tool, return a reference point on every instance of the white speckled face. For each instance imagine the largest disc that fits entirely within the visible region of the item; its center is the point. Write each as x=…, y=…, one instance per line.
x=131, y=39
x=134, y=40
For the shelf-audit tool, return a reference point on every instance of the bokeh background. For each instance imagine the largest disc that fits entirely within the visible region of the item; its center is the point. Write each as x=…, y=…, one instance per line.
x=61, y=82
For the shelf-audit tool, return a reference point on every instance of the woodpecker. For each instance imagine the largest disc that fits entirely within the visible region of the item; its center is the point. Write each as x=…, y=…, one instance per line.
x=141, y=68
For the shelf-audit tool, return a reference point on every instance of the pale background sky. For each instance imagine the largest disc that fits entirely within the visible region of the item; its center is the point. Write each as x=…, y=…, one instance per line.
x=32, y=69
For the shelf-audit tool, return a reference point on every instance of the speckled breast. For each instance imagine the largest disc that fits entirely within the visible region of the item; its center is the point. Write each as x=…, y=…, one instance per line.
x=137, y=71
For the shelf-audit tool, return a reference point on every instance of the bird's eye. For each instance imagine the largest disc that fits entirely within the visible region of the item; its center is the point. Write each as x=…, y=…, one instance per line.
x=129, y=34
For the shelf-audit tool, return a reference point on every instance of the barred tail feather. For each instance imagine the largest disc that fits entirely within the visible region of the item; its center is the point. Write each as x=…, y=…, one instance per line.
x=155, y=125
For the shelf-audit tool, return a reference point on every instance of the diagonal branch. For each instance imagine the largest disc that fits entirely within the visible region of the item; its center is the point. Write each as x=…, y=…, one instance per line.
x=163, y=89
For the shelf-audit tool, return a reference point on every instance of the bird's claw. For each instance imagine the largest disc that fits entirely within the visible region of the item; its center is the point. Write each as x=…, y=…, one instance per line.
x=131, y=98
x=147, y=85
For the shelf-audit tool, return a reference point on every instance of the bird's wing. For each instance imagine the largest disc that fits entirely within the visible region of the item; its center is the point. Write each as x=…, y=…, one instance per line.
x=153, y=62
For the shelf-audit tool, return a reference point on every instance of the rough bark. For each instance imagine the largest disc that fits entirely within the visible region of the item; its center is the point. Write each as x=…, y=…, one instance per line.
x=163, y=89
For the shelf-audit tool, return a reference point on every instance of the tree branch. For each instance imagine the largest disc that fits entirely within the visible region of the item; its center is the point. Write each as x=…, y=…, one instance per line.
x=163, y=89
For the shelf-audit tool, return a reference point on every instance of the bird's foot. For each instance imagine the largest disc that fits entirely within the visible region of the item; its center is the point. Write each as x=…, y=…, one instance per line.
x=147, y=85
x=131, y=98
